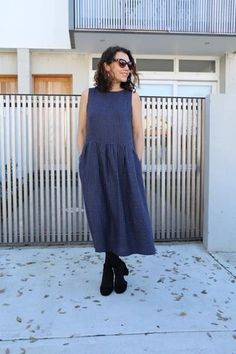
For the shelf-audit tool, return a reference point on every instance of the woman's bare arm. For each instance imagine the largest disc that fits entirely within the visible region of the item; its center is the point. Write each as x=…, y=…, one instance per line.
x=82, y=121
x=137, y=125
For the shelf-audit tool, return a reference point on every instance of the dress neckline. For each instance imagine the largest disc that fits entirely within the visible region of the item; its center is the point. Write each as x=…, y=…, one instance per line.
x=116, y=91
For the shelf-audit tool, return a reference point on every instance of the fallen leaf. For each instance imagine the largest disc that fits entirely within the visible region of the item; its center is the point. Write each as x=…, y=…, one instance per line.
x=161, y=280
x=183, y=313
x=179, y=297
x=222, y=318
x=198, y=259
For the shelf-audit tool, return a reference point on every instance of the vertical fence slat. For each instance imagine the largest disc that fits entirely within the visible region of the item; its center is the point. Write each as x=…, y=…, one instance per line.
x=14, y=167
x=51, y=144
x=189, y=165
x=168, y=167
x=158, y=164
x=8, y=166
x=76, y=210
x=63, y=170
x=41, y=168
x=57, y=142
x=174, y=167
x=163, y=168
x=24, y=117
x=153, y=164
x=74, y=170
x=193, y=171
x=3, y=179
x=68, y=167
x=184, y=168
x=46, y=171
x=20, y=169
x=178, y=182
x=35, y=148
x=30, y=171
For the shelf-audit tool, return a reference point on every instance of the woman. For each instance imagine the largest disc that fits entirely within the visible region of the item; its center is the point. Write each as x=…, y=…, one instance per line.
x=110, y=144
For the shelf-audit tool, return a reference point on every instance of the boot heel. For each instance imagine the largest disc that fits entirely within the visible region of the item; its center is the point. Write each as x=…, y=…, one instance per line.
x=106, y=287
x=120, y=283
x=126, y=270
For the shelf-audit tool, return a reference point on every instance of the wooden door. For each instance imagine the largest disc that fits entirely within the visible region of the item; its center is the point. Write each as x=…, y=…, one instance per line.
x=8, y=84
x=53, y=85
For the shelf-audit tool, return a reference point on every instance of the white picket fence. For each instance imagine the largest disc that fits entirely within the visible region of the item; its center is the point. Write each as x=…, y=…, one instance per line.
x=41, y=199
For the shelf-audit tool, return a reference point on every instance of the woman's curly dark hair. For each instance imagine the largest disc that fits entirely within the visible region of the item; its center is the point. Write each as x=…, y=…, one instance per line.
x=104, y=82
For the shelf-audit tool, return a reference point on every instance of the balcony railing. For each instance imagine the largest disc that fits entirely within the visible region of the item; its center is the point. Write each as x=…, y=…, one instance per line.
x=192, y=16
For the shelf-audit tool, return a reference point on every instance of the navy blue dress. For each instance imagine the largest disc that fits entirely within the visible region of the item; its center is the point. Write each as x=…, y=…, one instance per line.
x=111, y=177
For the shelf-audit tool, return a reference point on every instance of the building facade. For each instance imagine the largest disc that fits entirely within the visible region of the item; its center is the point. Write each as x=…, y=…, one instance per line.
x=176, y=54
x=182, y=48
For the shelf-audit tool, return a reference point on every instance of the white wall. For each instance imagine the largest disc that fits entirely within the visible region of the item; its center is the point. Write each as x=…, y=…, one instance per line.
x=63, y=63
x=228, y=74
x=222, y=74
x=220, y=174
x=8, y=63
x=230, y=82
x=25, y=63
x=34, y=24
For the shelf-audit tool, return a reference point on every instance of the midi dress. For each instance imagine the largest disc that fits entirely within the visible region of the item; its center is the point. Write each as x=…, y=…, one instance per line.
x=111, y=177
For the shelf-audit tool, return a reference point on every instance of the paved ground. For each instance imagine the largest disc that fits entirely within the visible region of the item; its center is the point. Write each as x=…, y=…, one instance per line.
x=181, y=300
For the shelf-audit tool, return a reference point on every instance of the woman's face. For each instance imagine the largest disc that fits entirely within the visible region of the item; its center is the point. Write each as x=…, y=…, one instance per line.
x=119, y=71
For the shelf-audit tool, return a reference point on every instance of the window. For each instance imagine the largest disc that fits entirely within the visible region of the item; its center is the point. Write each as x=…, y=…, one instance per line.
x=179, y=89
x=155, y=64
x=147, y=64
x=94, y=63
x=197, y=66
x=155, y=89
x=194, y=90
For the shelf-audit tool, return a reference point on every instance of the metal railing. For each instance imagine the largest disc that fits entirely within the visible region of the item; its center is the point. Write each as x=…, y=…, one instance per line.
x=192, y=16
x=40, y=192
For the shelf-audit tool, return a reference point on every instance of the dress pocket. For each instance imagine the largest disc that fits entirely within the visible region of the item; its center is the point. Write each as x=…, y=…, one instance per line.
x=82, y=154
x=136, y=156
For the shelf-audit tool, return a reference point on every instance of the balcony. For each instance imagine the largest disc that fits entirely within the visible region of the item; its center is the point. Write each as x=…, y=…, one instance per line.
x=154, y=17
x=192, y=16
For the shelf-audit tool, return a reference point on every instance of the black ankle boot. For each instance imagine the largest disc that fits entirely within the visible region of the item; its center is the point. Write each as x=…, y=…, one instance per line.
x=106, y=287
x=120, y=270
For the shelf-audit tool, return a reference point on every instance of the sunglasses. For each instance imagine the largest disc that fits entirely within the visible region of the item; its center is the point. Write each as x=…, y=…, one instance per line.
x=122, y=63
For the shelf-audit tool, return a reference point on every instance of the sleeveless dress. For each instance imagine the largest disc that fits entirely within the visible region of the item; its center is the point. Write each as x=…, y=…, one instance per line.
x=111, y=177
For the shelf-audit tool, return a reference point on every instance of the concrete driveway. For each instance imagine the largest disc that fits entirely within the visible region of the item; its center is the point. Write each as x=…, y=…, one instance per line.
x=181, y=300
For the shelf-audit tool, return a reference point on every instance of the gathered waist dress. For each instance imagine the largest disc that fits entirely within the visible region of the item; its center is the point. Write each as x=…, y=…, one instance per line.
x=111, y=177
